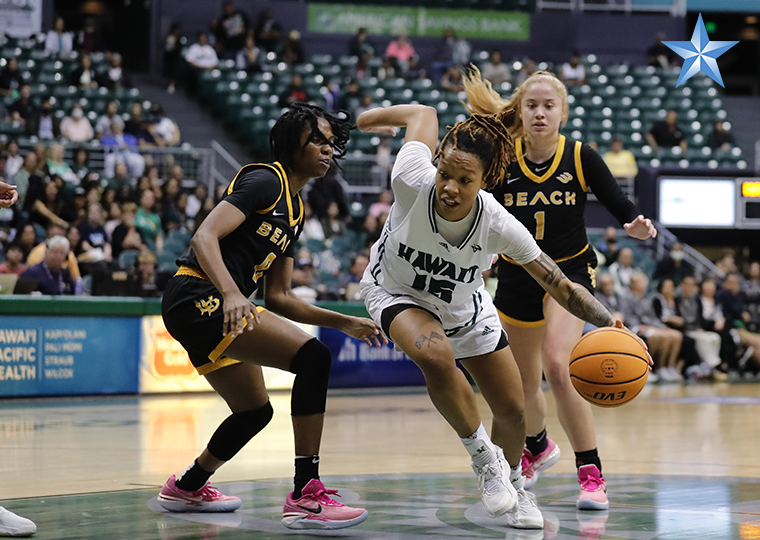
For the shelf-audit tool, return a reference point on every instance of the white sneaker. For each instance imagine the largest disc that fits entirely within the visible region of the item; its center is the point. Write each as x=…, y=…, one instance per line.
x=496, y=492
x=15, y=525
x=525, y=514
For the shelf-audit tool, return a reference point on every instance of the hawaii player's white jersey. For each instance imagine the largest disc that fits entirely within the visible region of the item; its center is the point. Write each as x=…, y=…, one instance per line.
x=412, y=258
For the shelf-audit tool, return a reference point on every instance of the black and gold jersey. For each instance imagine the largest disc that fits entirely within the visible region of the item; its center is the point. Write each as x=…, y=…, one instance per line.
x=549, y=198
x=274, y=220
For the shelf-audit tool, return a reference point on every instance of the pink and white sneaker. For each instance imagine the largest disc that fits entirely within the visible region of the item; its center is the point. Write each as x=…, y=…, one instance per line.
x=532, y=465
x=207, y=499
x=316, y=509
x=593, y=489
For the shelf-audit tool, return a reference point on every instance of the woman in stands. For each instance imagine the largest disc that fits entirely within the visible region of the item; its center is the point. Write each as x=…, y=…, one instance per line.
x=424, y=286
x=546, y=192
x=251, y=234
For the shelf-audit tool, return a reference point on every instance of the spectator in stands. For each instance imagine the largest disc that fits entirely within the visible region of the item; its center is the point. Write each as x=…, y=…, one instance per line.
x=104, y=123
x=727, y=263
x=25, y=176
x=496, y=71
x=27, y=239
x=15, y=161
x=121, y=182
x=56, y=165
x=268, y=31
x=383, y=161
x=196, y=199
x=81, y=166
x=302, y=280
x=527, y=69
x=664, y=343
x=720, y=138
x=360, y=46
x=50, y=275
x=573, y=73
x=292, y=49
x=622, y=163
x=622, y=270
x=401, y=50
x=201, y=56
x=673, y=266
x=77, y=127
x=43, y=203
x=93, y=234
x=170, y=214
x=113, y=218
x=41, y=150
x=331, y=93
x=43, y=123
x=3, y=166
x=659, y=54
x=139, y=127
x=126, y=235
x=707, y=343
x=738, y=317
x=333, y=224
x=115, y=77
x=84, y=76
x=58, y=41
x=444, y=55
x=609, y=246
x=233, y=27
x=121, y=146
x=366, y=104
x=452, y=80
x=312, y=228
x=144, y=282
x=462, y=52
x=329, y=189
x=609, y=297
x=172, y=64
x=294, y=92
x=666, y=133
x=10, y=78
x=149, y=222
x=75, y=241
x=211, y=32
x=359, y=264
x=88, y=39
x=386, y=70
x=14, y=260
x=352, y=98
x=751, y=292
x=249, y=57
x=382, y=205
x=22, y=110
x=414, y=71
x=164, y=130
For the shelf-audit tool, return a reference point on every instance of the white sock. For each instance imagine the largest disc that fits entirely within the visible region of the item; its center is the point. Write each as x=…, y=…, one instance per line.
x=515, y=474
x=480, y=447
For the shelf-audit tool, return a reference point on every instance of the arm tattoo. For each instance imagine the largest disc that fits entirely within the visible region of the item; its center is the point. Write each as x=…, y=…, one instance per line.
x=586, y=307
x=429, y=340
x=553, y=275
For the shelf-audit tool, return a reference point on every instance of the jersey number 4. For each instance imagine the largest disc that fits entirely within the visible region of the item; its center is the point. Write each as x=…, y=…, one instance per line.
x=259, y=269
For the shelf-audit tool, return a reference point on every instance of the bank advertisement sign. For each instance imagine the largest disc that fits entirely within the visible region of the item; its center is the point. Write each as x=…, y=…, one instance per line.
x=418, y=21
x=356, y=364
x=41, y=356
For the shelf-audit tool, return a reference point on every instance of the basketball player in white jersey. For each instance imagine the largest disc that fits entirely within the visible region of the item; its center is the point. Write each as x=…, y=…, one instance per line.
x=424, y=286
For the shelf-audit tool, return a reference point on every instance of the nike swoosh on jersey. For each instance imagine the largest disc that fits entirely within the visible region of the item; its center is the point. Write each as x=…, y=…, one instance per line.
x=316, y=510
x=541, y=169
x=510, y=180
x=275, y=213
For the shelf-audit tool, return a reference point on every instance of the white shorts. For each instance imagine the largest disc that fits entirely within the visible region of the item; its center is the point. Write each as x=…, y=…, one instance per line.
x=473, y=328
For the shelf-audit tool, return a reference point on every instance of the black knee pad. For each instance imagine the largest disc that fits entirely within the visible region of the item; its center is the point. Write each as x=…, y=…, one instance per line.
x=236, y=430
x=311, y=364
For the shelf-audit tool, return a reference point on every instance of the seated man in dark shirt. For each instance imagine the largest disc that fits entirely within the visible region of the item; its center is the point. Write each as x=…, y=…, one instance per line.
x=50, y=275
x=666, y=133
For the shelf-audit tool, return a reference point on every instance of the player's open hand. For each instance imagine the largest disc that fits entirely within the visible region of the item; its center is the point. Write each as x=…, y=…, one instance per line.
x=641, y=228
x=365, y=329
x=239, y=315
x=619, y=324
x=8, y=195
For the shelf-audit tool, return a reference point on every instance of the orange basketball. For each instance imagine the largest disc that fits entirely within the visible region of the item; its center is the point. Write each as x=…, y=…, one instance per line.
x=609, y=367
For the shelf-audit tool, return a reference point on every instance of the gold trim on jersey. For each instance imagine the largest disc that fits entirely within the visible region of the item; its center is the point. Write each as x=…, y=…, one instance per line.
x=552, y=168
x=522, y=324
x=579, y=166
x=563, y=259
x=190, y=271
x=216, y=355
x=213, y=366
x=284, y=177
x=276, y=171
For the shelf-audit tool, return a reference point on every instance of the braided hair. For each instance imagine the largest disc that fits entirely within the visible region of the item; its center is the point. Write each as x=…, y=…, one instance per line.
x=285, y=137
x=487, y=137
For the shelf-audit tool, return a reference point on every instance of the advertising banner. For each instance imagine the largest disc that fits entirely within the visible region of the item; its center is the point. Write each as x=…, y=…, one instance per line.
x=68, y=355
x=20, y=18
x=356, y=364
x=418, y=21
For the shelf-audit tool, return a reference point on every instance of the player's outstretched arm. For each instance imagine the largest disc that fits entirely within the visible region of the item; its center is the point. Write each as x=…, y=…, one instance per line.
x=571, y=296
x=420, y=121
x=280, y=299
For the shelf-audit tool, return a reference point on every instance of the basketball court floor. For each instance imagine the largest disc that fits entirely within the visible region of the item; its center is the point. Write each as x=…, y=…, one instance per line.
x=682, y=462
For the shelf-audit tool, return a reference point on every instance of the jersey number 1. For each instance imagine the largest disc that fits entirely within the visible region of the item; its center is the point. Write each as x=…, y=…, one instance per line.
x=540, y=224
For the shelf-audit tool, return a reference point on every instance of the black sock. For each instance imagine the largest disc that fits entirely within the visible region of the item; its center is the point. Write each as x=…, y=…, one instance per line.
x=307, y=468
x=193, y=478
x=538, y=443
x=589, y=457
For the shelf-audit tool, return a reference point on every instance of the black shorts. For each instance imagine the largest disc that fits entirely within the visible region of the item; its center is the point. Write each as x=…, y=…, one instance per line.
x=519, y=297
x=193, y=315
